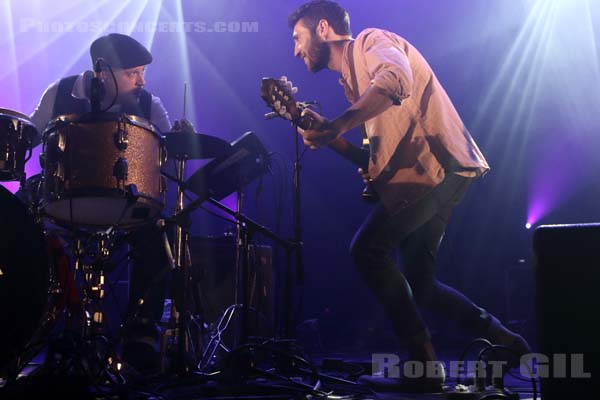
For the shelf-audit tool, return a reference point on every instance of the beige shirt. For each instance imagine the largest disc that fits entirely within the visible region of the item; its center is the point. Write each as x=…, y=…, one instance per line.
x=418, y=140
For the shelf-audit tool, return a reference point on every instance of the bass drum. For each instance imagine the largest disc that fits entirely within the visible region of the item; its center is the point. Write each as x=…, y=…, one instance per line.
x=23, y=277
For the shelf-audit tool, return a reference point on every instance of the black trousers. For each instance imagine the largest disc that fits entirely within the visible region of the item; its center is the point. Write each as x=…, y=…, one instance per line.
x=417, y=232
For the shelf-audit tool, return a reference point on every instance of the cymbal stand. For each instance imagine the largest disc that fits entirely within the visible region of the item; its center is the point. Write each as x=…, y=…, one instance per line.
x=180, y=315
x=246, y=229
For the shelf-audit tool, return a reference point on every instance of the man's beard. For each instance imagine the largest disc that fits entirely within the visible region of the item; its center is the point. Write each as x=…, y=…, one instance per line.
x=131, y=98
x=318, y=55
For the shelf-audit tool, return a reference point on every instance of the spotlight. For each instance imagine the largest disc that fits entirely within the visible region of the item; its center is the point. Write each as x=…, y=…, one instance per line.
x=528, y=226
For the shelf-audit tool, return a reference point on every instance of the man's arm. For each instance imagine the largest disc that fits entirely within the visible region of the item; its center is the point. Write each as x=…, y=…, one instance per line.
x=43, y=112
x=159, y=115
x=372, y=103
x=391, y=81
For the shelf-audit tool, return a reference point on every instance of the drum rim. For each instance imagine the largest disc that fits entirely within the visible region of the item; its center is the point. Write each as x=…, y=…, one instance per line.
x=66, y=119
x=154, y=204
x=16, y=114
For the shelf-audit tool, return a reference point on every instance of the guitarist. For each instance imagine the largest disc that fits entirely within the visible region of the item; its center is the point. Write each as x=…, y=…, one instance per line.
x=422, y=161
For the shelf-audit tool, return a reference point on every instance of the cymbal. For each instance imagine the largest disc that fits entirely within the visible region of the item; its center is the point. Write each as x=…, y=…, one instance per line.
x=194, y=146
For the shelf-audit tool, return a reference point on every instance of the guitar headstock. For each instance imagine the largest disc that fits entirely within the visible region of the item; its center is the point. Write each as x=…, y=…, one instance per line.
x=279, y=95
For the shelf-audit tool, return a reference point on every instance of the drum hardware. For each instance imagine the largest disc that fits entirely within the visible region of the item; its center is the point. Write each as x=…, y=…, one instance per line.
x=246, y=161
x=91, y=255
x=178, y=333
x=121, y=170
x=71, y=191
x=86, y=327
x=184, y=146
x=216, y=340
x=17, y=135
x=121, y=137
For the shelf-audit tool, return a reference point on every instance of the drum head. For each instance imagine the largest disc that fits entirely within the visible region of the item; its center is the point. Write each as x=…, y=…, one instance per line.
x=23, y=276
x=15, y=115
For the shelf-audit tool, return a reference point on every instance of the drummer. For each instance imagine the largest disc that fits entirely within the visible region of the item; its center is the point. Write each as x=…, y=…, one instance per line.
x=128, y=59
x=71, y=95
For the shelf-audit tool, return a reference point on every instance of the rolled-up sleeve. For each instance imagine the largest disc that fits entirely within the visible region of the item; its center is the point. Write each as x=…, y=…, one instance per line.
x=43, y=112
x=159, y=115
x=387, y=65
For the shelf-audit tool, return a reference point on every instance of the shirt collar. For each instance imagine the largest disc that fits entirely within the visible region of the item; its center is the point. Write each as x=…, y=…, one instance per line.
x=345, y=78
x=345, y=73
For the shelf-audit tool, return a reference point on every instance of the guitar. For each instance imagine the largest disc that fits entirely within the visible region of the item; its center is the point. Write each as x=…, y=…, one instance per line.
x=279, y=96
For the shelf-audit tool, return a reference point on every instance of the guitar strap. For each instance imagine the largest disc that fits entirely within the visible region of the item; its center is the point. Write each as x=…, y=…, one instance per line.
x=355, y=92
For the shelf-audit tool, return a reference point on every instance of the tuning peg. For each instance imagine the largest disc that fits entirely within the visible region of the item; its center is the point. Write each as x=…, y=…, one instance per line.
x=288, y=84
x=283, y=78
x=294, y=90
x=286, y=97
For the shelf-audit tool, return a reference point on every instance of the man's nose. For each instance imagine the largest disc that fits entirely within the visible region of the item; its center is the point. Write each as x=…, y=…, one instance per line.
x=296, y=50
x=140, y=81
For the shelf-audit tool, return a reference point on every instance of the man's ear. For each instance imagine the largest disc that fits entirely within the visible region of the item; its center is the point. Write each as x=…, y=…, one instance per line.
x=323, y=29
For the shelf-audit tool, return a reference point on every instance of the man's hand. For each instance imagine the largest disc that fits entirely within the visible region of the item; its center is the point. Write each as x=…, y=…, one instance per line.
x=321, y=133
x=183, y=125
x=365, y=175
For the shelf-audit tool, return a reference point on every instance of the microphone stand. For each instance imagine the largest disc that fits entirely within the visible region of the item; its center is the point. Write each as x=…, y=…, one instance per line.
x=297, y=239
x=247, y=227
x=97, y=90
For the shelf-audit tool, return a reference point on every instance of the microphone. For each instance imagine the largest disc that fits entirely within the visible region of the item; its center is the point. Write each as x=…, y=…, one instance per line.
x=97, y=90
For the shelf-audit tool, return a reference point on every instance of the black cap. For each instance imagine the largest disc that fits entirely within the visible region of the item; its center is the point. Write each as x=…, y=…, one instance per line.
x=120, y=51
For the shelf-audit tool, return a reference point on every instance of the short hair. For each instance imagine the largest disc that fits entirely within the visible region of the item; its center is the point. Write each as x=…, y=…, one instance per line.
x=316, y=10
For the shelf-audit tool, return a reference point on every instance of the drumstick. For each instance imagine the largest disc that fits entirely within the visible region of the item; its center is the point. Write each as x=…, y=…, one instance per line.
x=184, y=98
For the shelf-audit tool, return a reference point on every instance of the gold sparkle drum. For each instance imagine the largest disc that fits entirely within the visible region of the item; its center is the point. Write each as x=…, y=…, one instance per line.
x=102, y=170
x=17, y=133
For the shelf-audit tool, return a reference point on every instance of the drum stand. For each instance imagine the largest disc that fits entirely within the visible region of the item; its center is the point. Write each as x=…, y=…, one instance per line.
x=178, y=332
x=93, y=323
x=82, y=350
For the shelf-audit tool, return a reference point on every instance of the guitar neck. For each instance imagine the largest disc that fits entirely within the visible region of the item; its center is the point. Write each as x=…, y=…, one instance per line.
x=350, y=152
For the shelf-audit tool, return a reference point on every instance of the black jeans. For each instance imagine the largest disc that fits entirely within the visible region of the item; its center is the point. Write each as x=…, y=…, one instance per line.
x=417, y=232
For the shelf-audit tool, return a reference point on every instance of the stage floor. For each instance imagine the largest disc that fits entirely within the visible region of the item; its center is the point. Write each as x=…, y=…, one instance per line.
x=337, y=371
